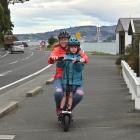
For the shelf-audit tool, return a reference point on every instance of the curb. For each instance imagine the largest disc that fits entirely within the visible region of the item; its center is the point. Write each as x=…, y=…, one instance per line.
x=34, y=92
x=8, y=107
x=49, y=81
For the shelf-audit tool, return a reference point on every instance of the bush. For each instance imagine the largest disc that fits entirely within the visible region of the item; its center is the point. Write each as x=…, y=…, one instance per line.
x=131, y=56
x=118, y=61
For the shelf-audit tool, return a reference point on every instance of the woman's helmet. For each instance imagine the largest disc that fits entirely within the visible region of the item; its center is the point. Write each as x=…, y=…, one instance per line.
x=64, y=34
x=73, y=42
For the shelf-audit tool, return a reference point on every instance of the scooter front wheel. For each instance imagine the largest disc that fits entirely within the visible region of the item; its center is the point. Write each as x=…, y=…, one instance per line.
x=66, y=123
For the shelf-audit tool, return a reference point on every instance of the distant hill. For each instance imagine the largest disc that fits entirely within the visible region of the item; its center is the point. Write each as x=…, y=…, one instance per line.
x=88, y=34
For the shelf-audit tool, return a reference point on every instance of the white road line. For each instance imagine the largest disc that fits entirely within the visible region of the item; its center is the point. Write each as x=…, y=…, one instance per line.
x=25, y=78
x=14, y=62
x=28, y=57
x=5, y=73
x=32, y=54
x=5, y=54
x=7, y=137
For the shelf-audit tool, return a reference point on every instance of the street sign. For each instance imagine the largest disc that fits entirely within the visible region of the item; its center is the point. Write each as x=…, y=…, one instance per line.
x=78, y=35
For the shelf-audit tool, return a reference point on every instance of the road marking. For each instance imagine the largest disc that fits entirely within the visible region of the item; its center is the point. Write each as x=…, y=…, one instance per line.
x=14, y=62
x=5, y=73
x=32, y=54
x=7, y=137
x=28, y=57
x=5, y=54
x=25, y=78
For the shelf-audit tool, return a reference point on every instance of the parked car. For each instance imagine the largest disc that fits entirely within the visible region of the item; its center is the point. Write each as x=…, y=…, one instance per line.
x=25, y=44
x=17, y=47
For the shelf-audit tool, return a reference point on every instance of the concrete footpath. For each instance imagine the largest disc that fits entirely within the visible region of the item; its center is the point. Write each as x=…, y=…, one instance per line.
x=106, y=113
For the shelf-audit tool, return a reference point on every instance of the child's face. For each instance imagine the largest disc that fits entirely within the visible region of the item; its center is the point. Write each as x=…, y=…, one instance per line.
x=73, y=49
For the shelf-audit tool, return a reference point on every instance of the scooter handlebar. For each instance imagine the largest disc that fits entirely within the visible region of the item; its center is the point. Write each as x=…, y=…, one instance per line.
x=62, y=59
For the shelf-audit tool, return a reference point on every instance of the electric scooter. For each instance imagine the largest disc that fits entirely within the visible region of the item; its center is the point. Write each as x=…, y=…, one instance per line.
x=66, y=116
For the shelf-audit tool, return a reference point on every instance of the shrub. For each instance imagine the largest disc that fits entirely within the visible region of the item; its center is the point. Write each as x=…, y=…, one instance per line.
x=131, y=56
x=118, y=60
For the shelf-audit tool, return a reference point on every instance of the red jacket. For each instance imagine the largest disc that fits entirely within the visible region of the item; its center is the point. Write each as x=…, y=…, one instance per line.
x=60, y=52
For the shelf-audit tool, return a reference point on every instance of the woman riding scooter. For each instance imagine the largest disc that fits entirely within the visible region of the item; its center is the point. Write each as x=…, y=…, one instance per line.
x=60, y=50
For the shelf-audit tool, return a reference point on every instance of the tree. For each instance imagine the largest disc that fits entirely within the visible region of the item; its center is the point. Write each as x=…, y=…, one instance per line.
x=2, y=26
x=16, y=1
x=7, y=18
x=8, y=25
x=52, y=41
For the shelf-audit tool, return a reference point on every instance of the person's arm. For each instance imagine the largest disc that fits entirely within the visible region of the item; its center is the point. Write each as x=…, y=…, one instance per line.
x=84, y=57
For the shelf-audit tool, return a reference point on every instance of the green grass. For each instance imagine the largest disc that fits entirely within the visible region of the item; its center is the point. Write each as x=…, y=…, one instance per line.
x=87, y=52
x=97, y=53
x=48, y=49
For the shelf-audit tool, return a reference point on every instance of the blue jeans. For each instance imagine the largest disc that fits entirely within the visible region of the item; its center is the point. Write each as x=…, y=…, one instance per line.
x=77, y=96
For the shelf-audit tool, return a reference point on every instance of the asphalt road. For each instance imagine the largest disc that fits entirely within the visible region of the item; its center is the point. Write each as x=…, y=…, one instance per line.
x=106, y=113
x=18, y=65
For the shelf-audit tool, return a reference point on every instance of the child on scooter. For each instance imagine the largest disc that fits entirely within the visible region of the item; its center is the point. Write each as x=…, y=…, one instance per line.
x=72, y=72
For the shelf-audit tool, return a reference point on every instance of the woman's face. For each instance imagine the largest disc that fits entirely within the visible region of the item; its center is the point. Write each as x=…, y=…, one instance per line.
x=63, y=42
x=73, y=49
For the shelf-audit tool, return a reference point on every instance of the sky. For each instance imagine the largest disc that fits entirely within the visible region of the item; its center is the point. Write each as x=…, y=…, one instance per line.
x=38, y=16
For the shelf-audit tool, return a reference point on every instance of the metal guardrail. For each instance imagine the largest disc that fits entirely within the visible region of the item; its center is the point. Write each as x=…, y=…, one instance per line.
x=133, y=83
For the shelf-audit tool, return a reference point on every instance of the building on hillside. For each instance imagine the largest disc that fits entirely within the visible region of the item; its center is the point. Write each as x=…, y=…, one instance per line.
x=123, y=39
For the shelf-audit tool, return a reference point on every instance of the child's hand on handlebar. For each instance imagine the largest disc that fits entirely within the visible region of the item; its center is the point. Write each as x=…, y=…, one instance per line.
x=73, y=60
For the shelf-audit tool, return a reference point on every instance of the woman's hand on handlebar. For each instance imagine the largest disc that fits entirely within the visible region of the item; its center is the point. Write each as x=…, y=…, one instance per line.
x=82, y=60
x=54, y=58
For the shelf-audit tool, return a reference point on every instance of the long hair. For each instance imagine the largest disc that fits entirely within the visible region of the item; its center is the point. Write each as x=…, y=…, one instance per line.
x=55, y=45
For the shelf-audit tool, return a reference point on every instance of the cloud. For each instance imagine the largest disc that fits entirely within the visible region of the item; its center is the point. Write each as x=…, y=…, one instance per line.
x=52, y=14
x=109, y=10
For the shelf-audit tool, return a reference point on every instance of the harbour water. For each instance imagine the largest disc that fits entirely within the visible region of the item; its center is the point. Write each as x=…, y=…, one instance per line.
x=105, y=47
